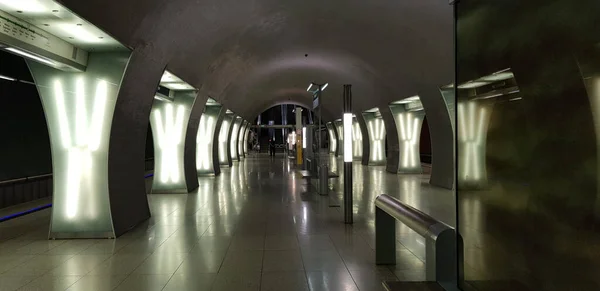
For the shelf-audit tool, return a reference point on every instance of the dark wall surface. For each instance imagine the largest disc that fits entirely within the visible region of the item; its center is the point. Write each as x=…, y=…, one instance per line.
x=24, y=142
x=533, y=227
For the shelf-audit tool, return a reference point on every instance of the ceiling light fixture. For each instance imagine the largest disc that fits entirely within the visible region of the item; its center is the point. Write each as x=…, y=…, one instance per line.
x=31, y=56
x=25, y=5
x=80, y=33
x=7, y=78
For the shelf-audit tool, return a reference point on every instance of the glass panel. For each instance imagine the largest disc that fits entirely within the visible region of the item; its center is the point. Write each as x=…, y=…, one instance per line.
x=527, y=144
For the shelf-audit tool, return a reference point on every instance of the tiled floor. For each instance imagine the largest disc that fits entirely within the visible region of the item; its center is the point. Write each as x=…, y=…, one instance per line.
x=255, y=227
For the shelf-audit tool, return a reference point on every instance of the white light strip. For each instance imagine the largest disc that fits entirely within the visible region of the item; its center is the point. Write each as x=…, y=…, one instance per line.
x=31, y=56
x=324, y=86
x=304, y=137
x=7, y=78
x=309, y=86
x=347, y=137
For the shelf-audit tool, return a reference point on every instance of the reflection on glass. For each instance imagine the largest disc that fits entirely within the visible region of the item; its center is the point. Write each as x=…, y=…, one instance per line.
x=472, y=131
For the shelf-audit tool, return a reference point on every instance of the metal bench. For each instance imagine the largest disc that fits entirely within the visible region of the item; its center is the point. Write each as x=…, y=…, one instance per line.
x=440, y=239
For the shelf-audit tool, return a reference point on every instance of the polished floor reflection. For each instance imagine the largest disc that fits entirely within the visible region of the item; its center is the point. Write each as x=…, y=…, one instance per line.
x=258, y=226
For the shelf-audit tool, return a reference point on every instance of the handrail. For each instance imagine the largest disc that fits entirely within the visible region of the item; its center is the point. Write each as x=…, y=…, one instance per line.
x=26, y=179
x=440, y=239
x=415, y=219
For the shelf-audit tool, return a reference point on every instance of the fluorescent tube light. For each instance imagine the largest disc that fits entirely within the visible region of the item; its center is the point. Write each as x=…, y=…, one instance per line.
x=31, y=56
x=80, y=33
x=7, y=78
x=348, y=137
x=324, y=86
x=309, y=86
x=304, y=137
x=25, y=5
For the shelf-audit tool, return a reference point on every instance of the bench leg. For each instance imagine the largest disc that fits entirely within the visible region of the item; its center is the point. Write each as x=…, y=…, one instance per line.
x=385, y=238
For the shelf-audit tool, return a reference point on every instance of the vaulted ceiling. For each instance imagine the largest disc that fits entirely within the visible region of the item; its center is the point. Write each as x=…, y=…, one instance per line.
x=252, y=54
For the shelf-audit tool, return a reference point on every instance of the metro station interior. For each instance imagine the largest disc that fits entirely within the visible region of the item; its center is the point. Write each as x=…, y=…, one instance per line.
x=299, y=145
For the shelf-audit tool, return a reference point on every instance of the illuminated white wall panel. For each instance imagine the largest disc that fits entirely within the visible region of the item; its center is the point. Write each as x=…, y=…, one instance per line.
x=339, y=126
x=357, y=140
x=246, y=138
x=223, y=139
x=473, y=119
x=204, y=140
x=169, y=122
x=79, y=109
x=332, y=138
x=408, y=125
x=240, y=149
x=376, y=131
x=233, y=139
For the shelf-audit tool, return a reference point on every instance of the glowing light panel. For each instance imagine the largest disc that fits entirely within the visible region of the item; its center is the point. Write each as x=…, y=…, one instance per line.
x=332, y=138
x=223, y=159
x=409, y=127
x=377, y=139
x=168, y=127
x=357, y=146
x=347, y=139
x=204, y=143
x=472, y=132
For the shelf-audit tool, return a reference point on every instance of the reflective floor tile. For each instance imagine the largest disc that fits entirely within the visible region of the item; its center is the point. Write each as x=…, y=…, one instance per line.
x=331, y=280
x=322, y=261
x=211, y=243
x=79, y=264
x=161, y=263
x=246, y=243
x=371, y=279
x=288, y=281
x=290, y=260
x=39, y=247
x=143, y=283
x=97, y=283
x=281, y=242
x=315, y=242
x=120, y=264
x=51, y=283
x=8, y=262
x=14, y=282
x=190, y=282
x=39, y=265
x=205, y=262
x=238, y=281
x=242, y=261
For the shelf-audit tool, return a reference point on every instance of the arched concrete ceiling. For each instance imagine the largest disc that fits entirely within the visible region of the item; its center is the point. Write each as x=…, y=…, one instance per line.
x=250, y=54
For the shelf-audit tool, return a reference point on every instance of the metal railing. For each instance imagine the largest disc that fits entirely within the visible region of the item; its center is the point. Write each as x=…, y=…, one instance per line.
x=26, y=189
x=440, y=239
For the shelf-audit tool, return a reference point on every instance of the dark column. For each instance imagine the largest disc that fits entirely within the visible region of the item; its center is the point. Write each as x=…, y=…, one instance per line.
x=189, y=151
x=126, y=156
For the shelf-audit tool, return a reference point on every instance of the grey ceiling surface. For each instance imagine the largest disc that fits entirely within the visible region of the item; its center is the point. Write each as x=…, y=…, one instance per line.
x=250, y=54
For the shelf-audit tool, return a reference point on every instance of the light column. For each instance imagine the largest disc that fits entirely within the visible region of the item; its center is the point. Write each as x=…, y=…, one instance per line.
x=473, y=119
x=240, y=149
x=224, y=159
x=204, y=140
x=339, y=127
x=332, y=138
x=376, y=131
x=79, y=107
x=408, y=125
x=357, y=140
x=234, y=137
x=168, y=120
x=347, y=123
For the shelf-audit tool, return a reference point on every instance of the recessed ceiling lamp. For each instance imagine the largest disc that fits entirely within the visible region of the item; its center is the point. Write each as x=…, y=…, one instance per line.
x=177, y=86
x=407, y=100
x=31, y=56
x=316, y=87
x=80, y=33
x=25, y=5
x=472, y=84
x=168, y=77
